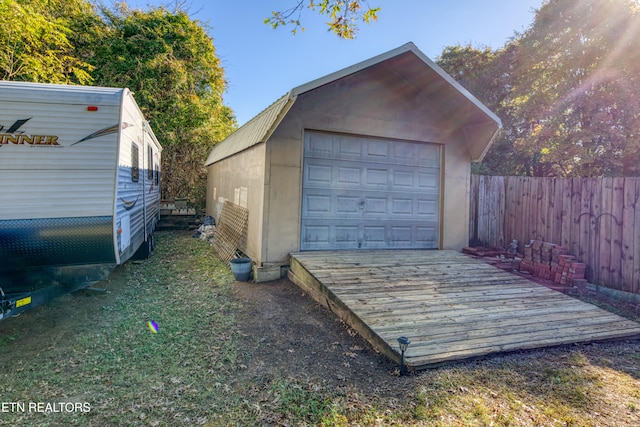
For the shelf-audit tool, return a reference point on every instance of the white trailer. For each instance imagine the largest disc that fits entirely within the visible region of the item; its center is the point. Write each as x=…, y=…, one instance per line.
x=80, y=188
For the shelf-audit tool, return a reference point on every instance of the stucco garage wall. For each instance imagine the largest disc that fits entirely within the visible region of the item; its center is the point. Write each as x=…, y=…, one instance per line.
x=240, y=178
x=380, y=112
x=455, y=196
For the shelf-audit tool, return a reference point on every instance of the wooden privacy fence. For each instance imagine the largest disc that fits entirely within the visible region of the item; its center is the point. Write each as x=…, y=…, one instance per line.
x=597, y=219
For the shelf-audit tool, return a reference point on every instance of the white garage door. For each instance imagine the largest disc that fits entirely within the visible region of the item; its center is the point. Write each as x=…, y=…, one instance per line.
x=369, y=193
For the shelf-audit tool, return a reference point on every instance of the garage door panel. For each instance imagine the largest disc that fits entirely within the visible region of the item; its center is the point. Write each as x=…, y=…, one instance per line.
x=317, y=235
x=403, y=207
x=318, y=204
x=377, y=150
x=428, y=181
x=428, y=208
x=347, y=234
x=347, y=205
x=320, y=145
x=369, y=205
x=376, y=176
x=402, y=180
x=374, y=206
x=369, y=193
x=335, y=236
x=426, y=235
x=405, y=151
x=401, y=235
x=349, y=175
x=319, y=175
x=350, y=148
x=374, y=235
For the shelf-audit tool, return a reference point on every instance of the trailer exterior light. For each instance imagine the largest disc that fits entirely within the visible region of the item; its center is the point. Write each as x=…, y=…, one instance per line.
x=92, y=108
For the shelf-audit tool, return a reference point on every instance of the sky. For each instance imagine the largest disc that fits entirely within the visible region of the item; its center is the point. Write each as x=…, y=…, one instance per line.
x=262, y=64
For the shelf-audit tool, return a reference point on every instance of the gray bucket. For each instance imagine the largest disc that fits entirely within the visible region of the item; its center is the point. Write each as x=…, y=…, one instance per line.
x=241, y=269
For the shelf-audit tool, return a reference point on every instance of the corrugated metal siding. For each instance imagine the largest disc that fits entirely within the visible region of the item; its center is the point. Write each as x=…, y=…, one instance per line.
x=56, y=194
x=139, y=201
x=56, y=181
x=253, y=132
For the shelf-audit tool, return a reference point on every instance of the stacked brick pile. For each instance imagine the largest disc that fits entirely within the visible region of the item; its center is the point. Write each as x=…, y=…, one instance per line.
x=553, y=262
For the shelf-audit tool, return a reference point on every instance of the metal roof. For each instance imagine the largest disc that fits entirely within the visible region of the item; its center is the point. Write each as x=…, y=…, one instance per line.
x=256, y=130
x=260, y=128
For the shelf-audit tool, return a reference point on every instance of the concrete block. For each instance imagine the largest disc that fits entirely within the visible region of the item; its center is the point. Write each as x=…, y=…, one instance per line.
x=266, y=273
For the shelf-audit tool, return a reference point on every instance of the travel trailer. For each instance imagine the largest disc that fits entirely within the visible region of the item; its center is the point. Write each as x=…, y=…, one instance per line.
x=80, y=188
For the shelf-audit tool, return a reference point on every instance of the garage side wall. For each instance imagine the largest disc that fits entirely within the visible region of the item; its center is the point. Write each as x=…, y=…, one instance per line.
x=240, y=179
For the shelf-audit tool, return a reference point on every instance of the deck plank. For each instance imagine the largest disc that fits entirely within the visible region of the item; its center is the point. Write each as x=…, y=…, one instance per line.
x=451, y=306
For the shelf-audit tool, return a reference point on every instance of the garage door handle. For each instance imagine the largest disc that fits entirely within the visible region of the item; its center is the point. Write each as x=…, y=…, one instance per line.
x=362, y=203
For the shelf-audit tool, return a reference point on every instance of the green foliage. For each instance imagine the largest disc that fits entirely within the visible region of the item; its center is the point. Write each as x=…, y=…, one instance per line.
x=566, y=89
x=576, y=90
x=344, y=16
x=37, y=39
x=170, y=63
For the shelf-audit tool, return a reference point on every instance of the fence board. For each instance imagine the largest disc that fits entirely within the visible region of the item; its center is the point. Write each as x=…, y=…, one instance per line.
x=473, y=212
x=617, y=207
x=628, y=243
x=540, y=213
x=567, y=225
x=594, y=188
x=636, y=251
x=526, y=226
x=576, y=200
x=558, y=213
x=519, y=201
x=604, y=231
x=597, y=219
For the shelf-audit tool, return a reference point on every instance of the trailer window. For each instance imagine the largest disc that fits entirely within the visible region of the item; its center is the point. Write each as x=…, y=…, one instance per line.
x=150, y=163
x=157, y=168
x=135, y=168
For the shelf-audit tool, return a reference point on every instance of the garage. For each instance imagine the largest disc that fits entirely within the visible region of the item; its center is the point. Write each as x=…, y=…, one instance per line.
x=369, y=193
x=375, y=156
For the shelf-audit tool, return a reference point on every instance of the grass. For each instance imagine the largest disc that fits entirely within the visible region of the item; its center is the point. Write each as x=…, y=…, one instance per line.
x=97, y=348
x=128, y=375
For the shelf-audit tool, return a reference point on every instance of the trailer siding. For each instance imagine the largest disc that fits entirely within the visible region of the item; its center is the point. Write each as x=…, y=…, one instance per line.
x=66, y=169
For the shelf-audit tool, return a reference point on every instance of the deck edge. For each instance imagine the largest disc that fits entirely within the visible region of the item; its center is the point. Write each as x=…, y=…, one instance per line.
x=299, y=275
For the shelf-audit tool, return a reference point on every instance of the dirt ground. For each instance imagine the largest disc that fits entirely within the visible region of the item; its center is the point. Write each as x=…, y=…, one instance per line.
x=288, y=332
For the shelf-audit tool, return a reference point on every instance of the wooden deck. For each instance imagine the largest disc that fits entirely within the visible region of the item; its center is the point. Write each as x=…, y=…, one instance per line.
x=451, y=306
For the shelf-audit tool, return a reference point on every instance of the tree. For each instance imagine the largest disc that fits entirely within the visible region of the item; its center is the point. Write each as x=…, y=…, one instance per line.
x=575, y=100
x=344, y=15
x=566, y=89
x=37, y=39
x=170, y=63
x=486, y=74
